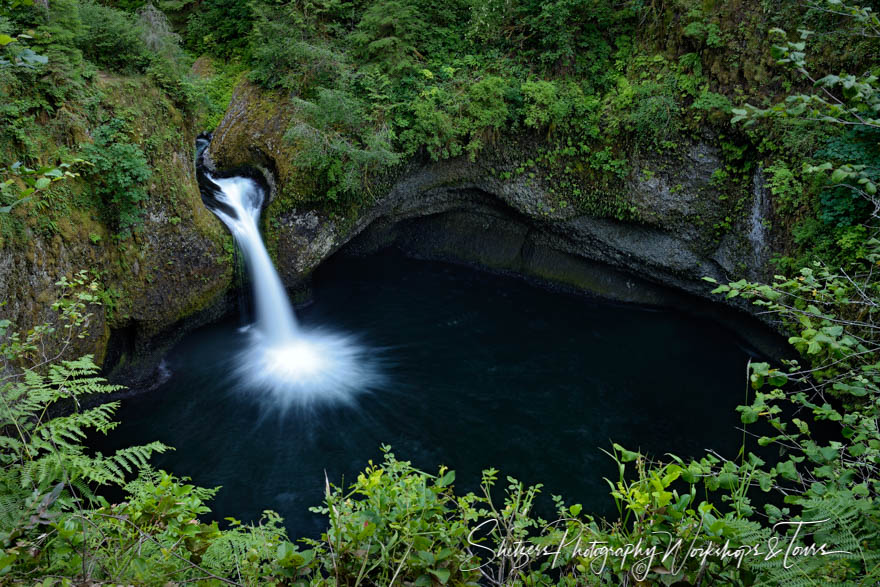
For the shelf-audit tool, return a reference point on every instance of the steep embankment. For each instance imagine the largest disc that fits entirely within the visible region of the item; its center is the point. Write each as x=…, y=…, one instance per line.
x=175, y=265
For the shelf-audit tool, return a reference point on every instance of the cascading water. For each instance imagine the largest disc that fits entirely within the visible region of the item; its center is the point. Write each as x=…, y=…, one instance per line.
x=274, y=315
x=284, y=362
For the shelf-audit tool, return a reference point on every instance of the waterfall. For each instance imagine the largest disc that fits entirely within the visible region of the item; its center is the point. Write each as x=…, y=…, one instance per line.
x=244, y=199
x=283, y=362
x=758, y=231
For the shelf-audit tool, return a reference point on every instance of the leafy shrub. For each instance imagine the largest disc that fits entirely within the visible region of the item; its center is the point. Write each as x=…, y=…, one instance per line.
x=112, y=38
x=842, y=207
x=842, y=203
x=539, y=97
x=830, y=475
x=119, y=173
x=217, y=90
x=306, y=63
x=655, y=115
x=397, y=522
x=336, y=140
x=787, y=190
x=433, y=127
x=220, y=27
x=708, y=33
x=289, y=50
x=716, y=105
x=388, y=33
x=559, y=105
x=486, y=105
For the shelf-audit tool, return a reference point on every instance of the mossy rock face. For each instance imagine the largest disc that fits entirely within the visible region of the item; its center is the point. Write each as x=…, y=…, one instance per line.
x=174, y=266
x=672, y=198
x=252, y=134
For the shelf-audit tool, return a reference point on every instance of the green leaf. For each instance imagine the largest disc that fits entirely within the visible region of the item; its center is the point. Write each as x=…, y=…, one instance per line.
x=787, y=470
x=42, y=183
x=626, y=456
x=838, y=176
x=285, y=549
x=443, y=554
x=829, y=453
x=777, y=379
x=6, y=560
x=446, y=479
x=727, y=480
x=29, y=58
x=5, y=40
x=441, y=574
x=748, y=414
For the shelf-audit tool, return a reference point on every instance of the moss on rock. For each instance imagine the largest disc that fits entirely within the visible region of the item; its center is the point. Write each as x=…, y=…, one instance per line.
x=172, y=266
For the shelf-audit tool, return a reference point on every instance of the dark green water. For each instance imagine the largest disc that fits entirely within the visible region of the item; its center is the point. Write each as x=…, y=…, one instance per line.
x=482, y=371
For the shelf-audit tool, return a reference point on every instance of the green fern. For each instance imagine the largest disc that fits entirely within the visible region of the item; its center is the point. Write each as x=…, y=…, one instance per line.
x=849, y=526
x=39, y=452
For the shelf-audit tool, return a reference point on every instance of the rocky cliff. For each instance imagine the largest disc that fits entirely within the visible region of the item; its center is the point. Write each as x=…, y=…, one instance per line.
x=682, y=228
x=172, y=271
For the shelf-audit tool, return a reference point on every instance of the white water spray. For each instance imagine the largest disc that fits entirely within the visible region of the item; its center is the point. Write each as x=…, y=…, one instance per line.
x=274, y=314
x=284, y=362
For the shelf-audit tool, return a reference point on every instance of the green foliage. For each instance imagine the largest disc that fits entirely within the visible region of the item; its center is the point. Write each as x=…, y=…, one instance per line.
x=220, y=27
x=448, y=120
x=119, y=174
x=46, y=467
x=831, y=315
x=35, y=182
x=563, y=36
x=45, y=343
x=702, y=31
x=584, y=82
x=37, y=440
x=217, y=90
x=294, y=64
x=54, y=520
x=841, y=175
x=112, y=38
x=486, y=102
x=396, y=522
x=539, y=98
x=168, y=63
x=717, y=106
x=853, y=158
x=785, y=186
x=425, y=84
x=654, y=116
x=15, y=50
x=335, y=140
x=387, y=34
